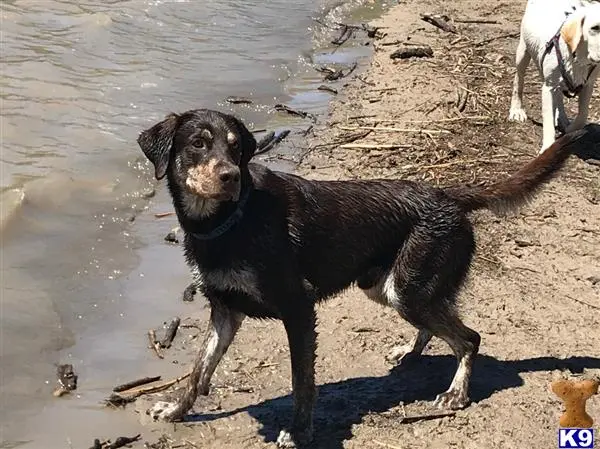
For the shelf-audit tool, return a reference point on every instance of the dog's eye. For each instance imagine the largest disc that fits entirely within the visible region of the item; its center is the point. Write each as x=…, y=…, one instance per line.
x=199, y=143
x=596, y=28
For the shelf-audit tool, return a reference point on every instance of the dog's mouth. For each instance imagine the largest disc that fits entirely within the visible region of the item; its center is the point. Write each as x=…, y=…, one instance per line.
x=230, y=194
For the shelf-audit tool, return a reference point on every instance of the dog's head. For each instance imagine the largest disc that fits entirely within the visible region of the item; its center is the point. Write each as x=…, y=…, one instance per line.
x=581, y=32
x=205, y=152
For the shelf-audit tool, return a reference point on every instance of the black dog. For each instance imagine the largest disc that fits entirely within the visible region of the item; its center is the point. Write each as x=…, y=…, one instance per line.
x=270, y=245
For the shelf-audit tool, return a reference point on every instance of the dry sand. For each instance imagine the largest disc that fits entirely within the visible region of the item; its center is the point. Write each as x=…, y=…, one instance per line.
x=534, y=291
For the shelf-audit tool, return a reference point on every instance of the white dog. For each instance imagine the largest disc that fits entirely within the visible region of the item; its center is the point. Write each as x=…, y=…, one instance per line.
x=563, y=38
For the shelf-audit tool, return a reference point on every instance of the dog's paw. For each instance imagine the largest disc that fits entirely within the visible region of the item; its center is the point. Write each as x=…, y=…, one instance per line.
x=285, y=440
x=517, y=115
x=298, y=440
x=452, y=399
x=401, y=355
x=165, y=411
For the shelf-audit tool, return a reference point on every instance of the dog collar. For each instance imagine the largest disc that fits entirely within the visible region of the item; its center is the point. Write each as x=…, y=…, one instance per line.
x=227, y=224
x=572, y=90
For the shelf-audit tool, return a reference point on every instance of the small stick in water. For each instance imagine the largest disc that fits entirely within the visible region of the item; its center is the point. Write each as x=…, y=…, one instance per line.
x=154, y=344
x=170, y=333
x=135, y=383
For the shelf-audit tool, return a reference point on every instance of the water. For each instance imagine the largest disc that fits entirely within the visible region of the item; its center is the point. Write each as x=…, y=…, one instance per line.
x=84, y=270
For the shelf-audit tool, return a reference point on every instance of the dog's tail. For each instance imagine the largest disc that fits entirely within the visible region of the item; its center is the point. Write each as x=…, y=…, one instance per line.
x=512, y=193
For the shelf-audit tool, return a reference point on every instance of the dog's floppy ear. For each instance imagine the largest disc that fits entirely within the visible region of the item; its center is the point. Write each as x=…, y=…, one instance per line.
x=572, y=30
x=156, y=143
x=247, y=144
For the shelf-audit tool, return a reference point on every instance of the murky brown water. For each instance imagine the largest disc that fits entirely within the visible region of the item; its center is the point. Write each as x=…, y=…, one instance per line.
x=81, y=283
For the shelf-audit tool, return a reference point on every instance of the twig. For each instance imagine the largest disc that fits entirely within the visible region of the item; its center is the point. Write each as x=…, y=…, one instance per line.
x=373, y=146
x=163, y=214
x=154, y=344
x=238, y=100
x=488, y=40
x=344, y=36
x=441, y=22
x=484, y=21
x=583, y=302
x=132, y=395
x=283, y=108
x=401, y=130
x=270, y=141
x=135, y=383
x=170, y=333
x=327, y=89
x=425, y=417
x=123, y=441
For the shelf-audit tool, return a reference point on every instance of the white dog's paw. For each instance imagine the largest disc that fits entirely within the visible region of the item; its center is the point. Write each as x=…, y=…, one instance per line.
x=517, y=115
x=164, y=411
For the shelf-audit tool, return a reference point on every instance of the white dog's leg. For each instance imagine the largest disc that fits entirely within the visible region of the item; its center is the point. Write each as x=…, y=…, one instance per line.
x=583, y=107
x=517, y=113
x=552, y=105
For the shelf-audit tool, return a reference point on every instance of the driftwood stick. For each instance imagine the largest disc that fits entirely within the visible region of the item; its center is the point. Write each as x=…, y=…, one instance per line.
x=441, y=22
x=345, y=34
x=424, y=417
x=412, y=51
x=131, y=395
x=268, y=142
x=170, y=333
x=163, y=214
x=327, y=89
x=154, y=344
x=400, y=130
x=484, y=21
x=373, y=146
x=238, y=100
x=123, y=441
x=135, y=383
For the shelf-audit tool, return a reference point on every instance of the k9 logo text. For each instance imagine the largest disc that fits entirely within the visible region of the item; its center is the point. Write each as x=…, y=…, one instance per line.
x=575, y=438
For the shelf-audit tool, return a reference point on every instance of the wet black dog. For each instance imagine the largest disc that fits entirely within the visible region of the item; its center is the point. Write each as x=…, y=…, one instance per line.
x=270, y=245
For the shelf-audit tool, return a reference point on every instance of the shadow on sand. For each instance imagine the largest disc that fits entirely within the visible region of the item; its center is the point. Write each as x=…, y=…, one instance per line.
x=342, y=404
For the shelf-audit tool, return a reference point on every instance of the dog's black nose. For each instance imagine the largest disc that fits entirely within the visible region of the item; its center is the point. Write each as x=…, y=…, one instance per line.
x=229, y=175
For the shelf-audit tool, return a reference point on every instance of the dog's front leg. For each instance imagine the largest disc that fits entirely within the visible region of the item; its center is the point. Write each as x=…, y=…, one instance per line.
x=224, y=324
x=302, y=337
x=552, y=107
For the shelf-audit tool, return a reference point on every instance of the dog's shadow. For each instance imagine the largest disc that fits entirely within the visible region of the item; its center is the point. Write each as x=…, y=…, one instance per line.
x=342, y=404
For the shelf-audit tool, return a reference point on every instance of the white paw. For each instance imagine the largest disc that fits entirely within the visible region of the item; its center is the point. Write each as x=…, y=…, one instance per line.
x=452, y=399
x=164, y=411
x=402, y=354
x=285, y=440
x=517, y=115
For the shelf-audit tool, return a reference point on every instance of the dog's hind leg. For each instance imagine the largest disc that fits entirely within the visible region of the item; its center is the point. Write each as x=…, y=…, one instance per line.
x=224, y=324
x=422, y=287
x=465, y=345
x=517, y=113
